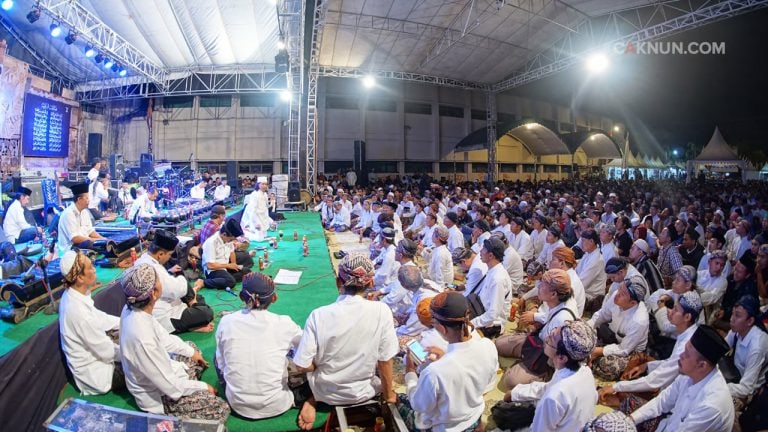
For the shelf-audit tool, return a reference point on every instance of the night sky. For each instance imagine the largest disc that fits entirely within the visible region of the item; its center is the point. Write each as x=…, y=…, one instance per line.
x=670, y=100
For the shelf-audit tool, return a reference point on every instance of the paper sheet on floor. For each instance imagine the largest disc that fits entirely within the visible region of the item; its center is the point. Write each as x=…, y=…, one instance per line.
x=287, y=277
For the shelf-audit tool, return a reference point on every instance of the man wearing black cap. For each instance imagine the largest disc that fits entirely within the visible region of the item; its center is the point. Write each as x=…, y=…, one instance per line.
x=179, y=309
x=76, y=223
x=691, y=250
x=16, y=226
x=495, y=290
x=698, y=400
x=219, y=260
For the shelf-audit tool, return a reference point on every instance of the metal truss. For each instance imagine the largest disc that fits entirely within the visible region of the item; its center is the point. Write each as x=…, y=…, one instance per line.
x=490, y=120
x=342, y=72
x=292, y=15
x=631, y=26
x=92, y=30
x=319, y=17
x=240, y=79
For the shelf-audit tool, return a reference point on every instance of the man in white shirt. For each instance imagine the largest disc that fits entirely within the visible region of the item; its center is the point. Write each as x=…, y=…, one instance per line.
x=256, y=221
x=448, y=394
x=341, y=218
x=159, y=384
x=480, y=233
x=622, y=331
x=713, y=281
x=15, y=225
x=180, y=309
x=698, y=400
x=473, y=267
x=143, y=206
x=538, y=234
x=749, y=342
x=75, y=222
x=455, y=236
x=385, y=264
x=520, y=240
x=254, y=338
x=412, y=282
x=553, y=241
x=99, y=194
x=92, y=356
x=96, y=166
x=440, y=263
x=198, y=191
x=345, y=343
x=222, y=191
x=219, y=260
x=351, y=178
x=607, y=246
x=568, y=400
x=495, y=291
x=591, y=269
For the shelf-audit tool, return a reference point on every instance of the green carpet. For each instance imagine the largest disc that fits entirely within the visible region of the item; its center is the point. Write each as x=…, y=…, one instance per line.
x=317, y=287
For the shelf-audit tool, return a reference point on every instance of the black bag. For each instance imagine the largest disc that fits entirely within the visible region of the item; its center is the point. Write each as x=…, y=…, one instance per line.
x=532, y=352
x=755, y=418
x=476, y=307
x=728, y=367
x=513, y=415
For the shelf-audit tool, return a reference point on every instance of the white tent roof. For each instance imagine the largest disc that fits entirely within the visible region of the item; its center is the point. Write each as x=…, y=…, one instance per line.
x=717, y=150
x=539, y=139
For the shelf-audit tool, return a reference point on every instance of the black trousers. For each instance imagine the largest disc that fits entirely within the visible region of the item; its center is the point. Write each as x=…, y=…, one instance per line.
x=244, y=259
x=197, y=315
x=222, y=279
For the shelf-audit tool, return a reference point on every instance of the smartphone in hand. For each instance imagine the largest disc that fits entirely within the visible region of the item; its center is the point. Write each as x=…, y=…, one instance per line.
x=417, y=351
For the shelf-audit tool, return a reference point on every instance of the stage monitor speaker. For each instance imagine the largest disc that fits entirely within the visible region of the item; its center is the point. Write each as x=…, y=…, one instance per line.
x=94, y=147
x=294, y=192
x=232, y=179
x=116, y=167
x=146, y=164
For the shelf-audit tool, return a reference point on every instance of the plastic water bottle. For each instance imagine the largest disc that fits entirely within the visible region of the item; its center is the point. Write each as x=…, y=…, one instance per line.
x=295, y=235
x=133, y=256
x=261, y=264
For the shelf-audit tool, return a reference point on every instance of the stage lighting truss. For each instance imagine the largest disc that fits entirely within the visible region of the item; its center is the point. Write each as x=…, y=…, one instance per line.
x=55, y=29
x=71, y=38
x=89, y=51
x=98, y=58
x=33, y=15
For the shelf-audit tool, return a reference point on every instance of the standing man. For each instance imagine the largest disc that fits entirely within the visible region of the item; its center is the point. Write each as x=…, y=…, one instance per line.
x=75, y=224
x=15, y=225
x=256, y=220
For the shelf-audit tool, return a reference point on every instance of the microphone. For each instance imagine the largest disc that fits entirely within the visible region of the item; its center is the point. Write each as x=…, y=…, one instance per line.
x=229, y=290
x=29, y=274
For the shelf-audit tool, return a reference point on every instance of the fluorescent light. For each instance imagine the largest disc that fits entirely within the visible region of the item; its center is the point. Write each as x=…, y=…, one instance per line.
x=369, y=81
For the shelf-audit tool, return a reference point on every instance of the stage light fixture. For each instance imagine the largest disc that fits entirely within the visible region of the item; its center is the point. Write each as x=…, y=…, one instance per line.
x=55, y=29
x=115, y=67
x=285, y=95
x=281, y=61
x=89, y=51
x=6, y=4
x=615, y=128
x=98, y=58
x=71, y=38
x=108, y=63
x=597, y=63
x=369, y=81
x=123, y=72
x=280, y=45
x=33, y=15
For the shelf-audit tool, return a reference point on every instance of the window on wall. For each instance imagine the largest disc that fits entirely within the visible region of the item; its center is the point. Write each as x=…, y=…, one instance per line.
x=341, y=102
x=551, y=169
x=284, y=167
x=529, y=168
x=386, y=167
x=566, y=127
x=508, y=168
x=418, y=108
x=216, y=101
x=451, y=111
x=565, y=168
x=386, y=105
x=332, y=167
x=450, y=167
x=478, y=114
x=178, y=101
x=255, y=167
x=418, y=167
x=258, y=100
x=219, y=167
x=479, y=167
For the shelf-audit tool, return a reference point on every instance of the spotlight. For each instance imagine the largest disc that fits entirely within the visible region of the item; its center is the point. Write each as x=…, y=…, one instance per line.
x=89, y=51
x=597, y=63
x=593, y=137
x=55, y=29
x=123, y=72
x=108, y=63
x=285, y=95
x=281, y=62
x=33, y=15
x=369, y=81
x=116, y=67
x=280, y=45
x=616, y=128
x=529, y=125
x=98, y=58
x=71, y=38
x=6, y=4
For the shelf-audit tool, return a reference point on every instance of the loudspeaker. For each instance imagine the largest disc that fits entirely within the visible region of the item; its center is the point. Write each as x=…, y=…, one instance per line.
x=116, y=166
x=294, y=192
x=94, y=147
x=358, y=158
x=232, y=179
x=146, y=164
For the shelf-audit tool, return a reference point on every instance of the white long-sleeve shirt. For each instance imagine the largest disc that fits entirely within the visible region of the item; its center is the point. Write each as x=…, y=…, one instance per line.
x=479, y=242
x=661, y=373
x=142, y=206
x=149, y=371
x=441, y=266
x=413, y=326
x=169, y=305
x=455, y=238
x=608, y=251
x=341, y=217
x=475, y=274
x=711, y=289
x=448, y=395
x=577, y=288
x=565, y=403
x=751, y=359
x=257, y=341
x=418, y=224
x=496, y=294
x=630, y=327
x=538, y=239
x=15, y=222
x=388, y=267
x=365, y=219
x=222, y=192
x=513, y=263
x=215, y=250
x=591, y=271
x=98, y=193
x=90, y=353
x=702, y=407
x=73, y=223
x=546, y=253
x=522, y=244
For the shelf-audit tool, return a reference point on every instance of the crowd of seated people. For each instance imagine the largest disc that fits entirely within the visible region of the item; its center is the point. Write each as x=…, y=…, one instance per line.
x=656, y=290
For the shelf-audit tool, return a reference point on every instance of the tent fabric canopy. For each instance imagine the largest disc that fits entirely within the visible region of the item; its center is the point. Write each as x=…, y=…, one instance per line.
x=717, y=150
x=596, y=144
x=538, y=139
